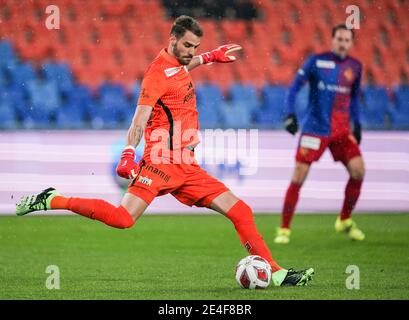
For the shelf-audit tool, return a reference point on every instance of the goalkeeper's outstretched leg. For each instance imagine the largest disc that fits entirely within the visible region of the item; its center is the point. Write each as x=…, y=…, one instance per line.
x=122, y=217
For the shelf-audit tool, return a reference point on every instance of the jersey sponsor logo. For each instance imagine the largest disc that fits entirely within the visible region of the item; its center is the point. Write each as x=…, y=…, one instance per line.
x=325, y=64
x=145, y=180
x=158, y=172
x=189, y=96
x=144, y=94
x=333, y=87
x=339, y=89
x=310, y=142
x=172, y=71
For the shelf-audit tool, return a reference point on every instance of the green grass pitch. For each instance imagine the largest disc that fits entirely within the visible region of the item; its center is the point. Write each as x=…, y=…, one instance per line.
x=194, y=256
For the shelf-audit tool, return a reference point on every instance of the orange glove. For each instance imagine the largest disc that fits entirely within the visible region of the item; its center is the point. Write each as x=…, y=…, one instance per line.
x=220, y=54
x=127, y=168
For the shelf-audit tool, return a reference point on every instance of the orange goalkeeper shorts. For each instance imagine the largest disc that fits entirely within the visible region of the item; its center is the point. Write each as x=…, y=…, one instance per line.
x=188, y=183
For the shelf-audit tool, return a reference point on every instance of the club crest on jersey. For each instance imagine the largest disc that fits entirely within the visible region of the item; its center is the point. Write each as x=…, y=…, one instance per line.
x=325, y=64
x=170, y=72
x=349, y=74
x=145, y=180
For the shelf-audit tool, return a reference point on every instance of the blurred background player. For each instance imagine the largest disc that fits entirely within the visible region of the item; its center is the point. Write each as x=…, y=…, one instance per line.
x=167, y=115
x=334, y=79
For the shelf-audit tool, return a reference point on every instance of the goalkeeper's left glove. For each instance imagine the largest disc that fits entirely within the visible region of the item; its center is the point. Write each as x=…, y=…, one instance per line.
x=127, y=168
x=220, y=54
x=357, y=132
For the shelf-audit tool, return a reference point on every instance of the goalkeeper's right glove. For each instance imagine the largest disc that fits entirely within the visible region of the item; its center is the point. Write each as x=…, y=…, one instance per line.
x=127, y=168
x=291, y=123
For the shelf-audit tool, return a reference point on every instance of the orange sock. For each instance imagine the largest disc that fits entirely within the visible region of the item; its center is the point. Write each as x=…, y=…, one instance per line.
x=59, y=202
x=117, y=217
x=242, y=217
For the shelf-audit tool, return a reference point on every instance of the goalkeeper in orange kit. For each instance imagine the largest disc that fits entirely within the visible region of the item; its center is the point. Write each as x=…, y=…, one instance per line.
x=166, y=111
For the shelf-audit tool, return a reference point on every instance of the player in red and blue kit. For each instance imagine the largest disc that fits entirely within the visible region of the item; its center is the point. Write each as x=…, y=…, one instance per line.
x=334, y=79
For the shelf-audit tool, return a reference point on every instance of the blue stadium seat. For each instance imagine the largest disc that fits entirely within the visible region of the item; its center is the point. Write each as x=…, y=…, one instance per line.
x=271, y=113
x=92, y=110
x=114, y=106
x=400, y=118
x=14, y=97
x=105, y=118
x=81, y=97
x=210, y=102
x=110, y=92
x=42, y=106
x=44, y=95
x=135, y=90
x=70, y=117
x=8, y=118
x=236, y=117
x=111, y=89
x=34, y=117
x=245, y=96
x=22, y=74
x=376, y=104
x=60, y=73
x=7, y=55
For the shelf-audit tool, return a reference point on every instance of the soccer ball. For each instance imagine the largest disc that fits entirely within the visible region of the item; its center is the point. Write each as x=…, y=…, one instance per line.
x=253, y=272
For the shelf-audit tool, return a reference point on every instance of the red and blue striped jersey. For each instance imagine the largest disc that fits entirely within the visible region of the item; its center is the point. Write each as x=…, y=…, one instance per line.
x=334, y=94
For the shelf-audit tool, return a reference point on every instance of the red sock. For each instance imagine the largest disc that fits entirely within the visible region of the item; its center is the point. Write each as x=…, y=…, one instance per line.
x=291, y=199
x=242, y=217
x=352, y=192
x=117, y=217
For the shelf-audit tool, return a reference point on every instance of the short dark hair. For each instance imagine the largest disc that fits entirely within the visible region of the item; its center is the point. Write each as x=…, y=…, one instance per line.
x=340, y=27
x=184, y=23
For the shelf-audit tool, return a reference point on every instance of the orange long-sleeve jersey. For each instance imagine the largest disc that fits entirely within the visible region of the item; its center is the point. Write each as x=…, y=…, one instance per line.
x=168, y=87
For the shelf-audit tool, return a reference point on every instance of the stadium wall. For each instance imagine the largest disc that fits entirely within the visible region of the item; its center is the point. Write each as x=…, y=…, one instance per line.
x=82, y=163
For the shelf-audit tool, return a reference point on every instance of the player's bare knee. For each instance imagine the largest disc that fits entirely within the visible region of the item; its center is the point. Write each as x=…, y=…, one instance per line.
x=356, y=169
x=298, y=180
x=300, y=173
x=357, y=173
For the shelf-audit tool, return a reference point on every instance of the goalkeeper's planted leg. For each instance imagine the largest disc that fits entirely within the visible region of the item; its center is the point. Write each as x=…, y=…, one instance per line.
x=242, y=217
